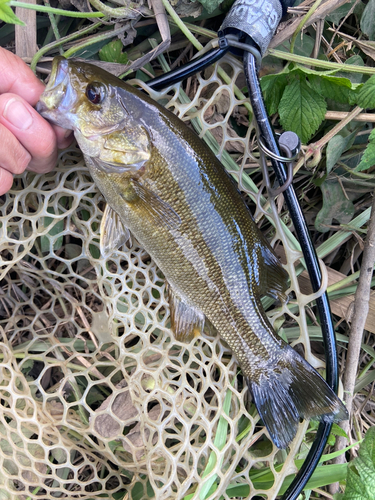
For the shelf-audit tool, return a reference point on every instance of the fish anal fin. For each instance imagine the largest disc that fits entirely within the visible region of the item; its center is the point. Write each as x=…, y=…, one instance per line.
x=113, y=233
x=290, y=390
x=274, y=278
x=187, y=322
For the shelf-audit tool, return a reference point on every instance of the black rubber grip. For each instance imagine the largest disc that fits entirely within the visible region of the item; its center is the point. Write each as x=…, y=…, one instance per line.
x=258, y=19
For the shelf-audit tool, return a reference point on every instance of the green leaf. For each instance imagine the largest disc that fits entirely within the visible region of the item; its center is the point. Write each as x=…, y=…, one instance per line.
x=367, y=20
x=210, y=5
x=337, y=431
x=360, y=481
x=273, y=87
x=112, y=52
x=366, y=96
x=338, y=14
x=335, y=206
x=336, y=146
x=7, y=15
x=301, y=108
x=368, y=157
x=338, y=89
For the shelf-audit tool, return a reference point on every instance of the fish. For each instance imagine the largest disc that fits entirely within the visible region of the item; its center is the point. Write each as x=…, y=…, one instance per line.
x=163, y=185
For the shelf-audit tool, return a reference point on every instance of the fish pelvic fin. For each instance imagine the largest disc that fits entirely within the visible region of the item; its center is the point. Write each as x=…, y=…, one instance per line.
x=187, y=322
x=293, y=389
x=113, y=233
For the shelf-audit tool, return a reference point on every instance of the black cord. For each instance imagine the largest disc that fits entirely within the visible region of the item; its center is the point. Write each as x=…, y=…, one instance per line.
x=312, y=265
x=189, y=69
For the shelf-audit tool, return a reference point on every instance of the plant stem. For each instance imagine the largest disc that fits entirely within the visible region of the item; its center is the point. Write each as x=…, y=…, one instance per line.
x=54, y=22
x=340, y=115
x=94, y=39
x=63, y=40
x=195, y=29
x=51, y=10
x=130, y=12
x=315, y=149
x=189, y=35
x=361, y=308
x=303, y=22
x=308, y=61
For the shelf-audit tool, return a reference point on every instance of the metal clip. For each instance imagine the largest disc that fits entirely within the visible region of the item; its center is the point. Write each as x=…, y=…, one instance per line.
x=289, y=142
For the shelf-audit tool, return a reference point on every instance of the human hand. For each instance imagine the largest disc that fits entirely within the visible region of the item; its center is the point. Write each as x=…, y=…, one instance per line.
x=26, y=139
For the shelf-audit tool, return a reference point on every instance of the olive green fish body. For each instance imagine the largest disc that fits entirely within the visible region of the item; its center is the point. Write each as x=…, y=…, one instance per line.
x=208, y=248
x=171, y=192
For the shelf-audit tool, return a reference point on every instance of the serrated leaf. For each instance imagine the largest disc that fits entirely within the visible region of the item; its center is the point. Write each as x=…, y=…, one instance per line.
x=112, y=52
x=7, y=15
x=335, y=206
x=368, y=157
x=273, y=87
x=367, y=20
x=301, y=108
x=360, y=482
x=338, y=89
x=366, y=96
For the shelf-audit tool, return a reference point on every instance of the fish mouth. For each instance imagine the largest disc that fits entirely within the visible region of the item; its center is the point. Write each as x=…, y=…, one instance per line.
x=59, y=95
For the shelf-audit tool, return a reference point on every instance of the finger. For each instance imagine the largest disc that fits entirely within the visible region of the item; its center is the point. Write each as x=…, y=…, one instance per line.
x=14, y=157
x=16, y=77
x=64, y=137
x=6, y=181
x=34, y=133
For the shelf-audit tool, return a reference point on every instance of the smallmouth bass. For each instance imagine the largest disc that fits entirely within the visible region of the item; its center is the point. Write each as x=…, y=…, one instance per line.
x=165, y=186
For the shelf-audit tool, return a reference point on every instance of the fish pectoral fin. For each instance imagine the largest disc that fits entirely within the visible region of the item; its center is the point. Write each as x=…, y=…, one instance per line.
x=113, y=233
x=292, y=389
x=151, y=204
x=112, y=167
x=187, y=322
x=275, y=279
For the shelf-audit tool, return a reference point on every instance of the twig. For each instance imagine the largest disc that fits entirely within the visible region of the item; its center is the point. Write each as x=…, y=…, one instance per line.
x=361, y=308
x=320, y=13
x=340, y=115
x=314, y=150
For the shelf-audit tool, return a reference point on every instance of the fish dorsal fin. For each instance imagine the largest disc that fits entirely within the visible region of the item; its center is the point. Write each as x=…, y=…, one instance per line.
x=187, y=322
x=150, y=203
x=274, y=278
x=113, y=233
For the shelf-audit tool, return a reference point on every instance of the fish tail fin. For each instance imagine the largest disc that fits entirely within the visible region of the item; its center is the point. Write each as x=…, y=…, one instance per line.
x=291, y=390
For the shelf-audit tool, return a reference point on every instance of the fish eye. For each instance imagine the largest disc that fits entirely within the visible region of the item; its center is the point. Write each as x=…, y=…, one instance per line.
x=95, y=92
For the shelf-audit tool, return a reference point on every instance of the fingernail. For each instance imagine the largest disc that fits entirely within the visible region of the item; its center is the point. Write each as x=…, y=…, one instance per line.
x=17, y=114
x=68, y=133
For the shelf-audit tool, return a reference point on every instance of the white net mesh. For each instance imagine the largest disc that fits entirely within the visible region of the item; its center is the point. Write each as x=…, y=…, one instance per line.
x=97, y=398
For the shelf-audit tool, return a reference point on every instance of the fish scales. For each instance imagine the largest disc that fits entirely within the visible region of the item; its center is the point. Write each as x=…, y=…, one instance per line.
x=165, y=186
x=191, y=269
